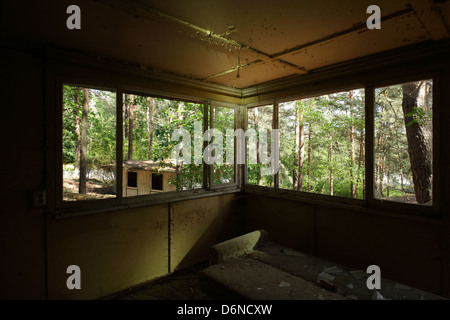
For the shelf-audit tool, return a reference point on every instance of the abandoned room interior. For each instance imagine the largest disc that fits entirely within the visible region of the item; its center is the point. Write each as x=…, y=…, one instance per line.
x=141, y=135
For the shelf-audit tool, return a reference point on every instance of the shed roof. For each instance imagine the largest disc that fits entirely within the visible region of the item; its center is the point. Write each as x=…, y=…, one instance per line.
x=168, y=165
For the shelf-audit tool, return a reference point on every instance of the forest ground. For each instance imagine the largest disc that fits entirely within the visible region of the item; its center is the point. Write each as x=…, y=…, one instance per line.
x=96, y=189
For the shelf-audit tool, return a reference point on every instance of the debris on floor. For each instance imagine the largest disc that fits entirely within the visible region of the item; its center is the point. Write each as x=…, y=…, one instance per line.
x=333, y=270
x=377, y=296
x=293, y=253
x=284, y=284
x=358, y=274
x=401, y=286
x=324, y=276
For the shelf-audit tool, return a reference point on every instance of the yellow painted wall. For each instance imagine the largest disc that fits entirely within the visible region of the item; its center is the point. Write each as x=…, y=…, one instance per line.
x=121, y=249
x=198, y=224
x=114, y=251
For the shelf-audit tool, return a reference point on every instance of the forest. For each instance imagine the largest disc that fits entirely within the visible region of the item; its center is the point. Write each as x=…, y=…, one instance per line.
x=89, y=139
x=322, y=146
x=322, y=143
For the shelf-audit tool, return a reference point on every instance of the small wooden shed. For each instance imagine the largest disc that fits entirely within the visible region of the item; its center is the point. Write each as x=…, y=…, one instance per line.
x=146, y=177
x=141, y=177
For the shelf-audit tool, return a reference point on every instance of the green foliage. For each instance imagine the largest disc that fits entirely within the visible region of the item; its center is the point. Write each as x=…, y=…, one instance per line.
x=326, y=122
x=168, y=115
x=101, y=126
x=329, y=124
x=393, y=176
x=223, y=119
x=420, y=116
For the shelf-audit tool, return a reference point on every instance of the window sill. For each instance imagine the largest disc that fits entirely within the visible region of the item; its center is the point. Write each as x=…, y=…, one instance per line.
x=379, y=208
x=110, y=205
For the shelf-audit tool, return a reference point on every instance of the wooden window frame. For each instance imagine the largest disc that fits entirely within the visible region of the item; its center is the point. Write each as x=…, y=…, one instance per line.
x=369, y=202
x=62, y=209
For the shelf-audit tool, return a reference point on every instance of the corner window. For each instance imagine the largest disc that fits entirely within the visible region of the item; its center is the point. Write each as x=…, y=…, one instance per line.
x=403, y=155
x=259, y=145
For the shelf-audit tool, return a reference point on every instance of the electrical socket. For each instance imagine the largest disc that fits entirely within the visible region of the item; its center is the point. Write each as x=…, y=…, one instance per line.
x=39, y=198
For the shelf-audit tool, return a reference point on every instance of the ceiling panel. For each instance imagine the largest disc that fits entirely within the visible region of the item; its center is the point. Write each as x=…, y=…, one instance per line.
x=273, y=26
x=403, y=30
x=208, y=39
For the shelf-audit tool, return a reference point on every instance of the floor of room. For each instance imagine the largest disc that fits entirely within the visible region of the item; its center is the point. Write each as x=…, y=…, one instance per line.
x=181, y=285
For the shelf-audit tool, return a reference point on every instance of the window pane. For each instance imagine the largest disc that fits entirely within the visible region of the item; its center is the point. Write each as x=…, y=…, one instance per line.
x=259, y=128
x=403, y=142
x=157, y=132
x=322, y=144
x=89, y=143
x=223, y=140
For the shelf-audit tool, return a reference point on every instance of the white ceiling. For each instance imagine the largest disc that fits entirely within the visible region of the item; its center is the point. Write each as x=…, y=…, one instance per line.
x=208, y=40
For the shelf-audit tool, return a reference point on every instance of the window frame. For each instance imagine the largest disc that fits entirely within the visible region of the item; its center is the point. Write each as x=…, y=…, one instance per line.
x=274, y=125
x=58, y=188
x=210, y=167
x=61, y=208
x=410, y=208
x=57, y=75
x=303, y=195
x=369, y=202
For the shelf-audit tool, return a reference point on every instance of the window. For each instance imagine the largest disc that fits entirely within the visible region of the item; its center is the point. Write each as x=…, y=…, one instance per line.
x=132, y=179
x=221, y=146
x=88, y=143
x=313, y=145
x=159, y=136
x=259, y=145
x=322, y=144
x=157, y=181
x=403, y=158
x=162, y=144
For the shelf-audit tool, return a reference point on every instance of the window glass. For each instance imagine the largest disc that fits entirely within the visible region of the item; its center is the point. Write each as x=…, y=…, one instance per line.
x=88, y=143
x=221, y=149
x=258, y=135
x=159, y=140
x=322, y=144
x=403, y=159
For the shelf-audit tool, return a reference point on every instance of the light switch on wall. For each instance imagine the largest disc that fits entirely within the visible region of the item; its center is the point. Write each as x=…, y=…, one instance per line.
x=39, y=198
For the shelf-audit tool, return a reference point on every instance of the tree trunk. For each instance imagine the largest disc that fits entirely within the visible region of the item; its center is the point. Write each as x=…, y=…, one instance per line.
x=125, y=116
x=83, y=142
x=77, y=128
x=130, y=128
x=301, y=151
x=299, y=156
x=379, y=166
x=296, y=153
x=178, y=167
x=151, y=127
x=331, y=165
x=352, y=149
x=419, y=147
x=258, y=173
x=309, y=158
x=360, y=160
